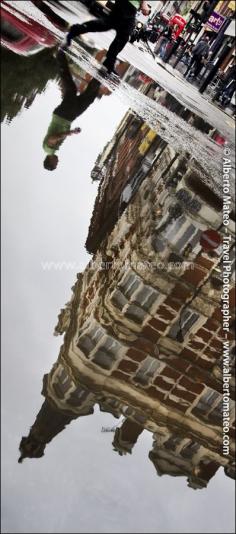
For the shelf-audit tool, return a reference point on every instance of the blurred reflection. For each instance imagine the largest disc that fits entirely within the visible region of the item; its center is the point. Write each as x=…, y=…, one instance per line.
x=71, y=107
x=142, y=329
x=144, y=344
x=23, y=78
x=173, y=453
x=50, y=14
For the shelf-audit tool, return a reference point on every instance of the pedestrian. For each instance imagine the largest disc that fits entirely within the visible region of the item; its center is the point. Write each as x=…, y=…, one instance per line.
x=71, y=107
x=166, y=36
x=200, y=53
x=187, y=55
x=121, y=19
x=229, y=86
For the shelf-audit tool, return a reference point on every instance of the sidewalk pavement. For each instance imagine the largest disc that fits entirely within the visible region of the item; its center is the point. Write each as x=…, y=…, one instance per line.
x=177, y=74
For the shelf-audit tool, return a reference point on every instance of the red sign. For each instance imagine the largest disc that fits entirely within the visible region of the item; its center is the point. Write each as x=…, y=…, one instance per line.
x=179, y=23
x=210, y=239
x=219, y=139
x=144, y=78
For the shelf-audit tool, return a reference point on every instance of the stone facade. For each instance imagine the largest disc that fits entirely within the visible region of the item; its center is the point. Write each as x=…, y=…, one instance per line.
x=131, y=154
x=143, y=330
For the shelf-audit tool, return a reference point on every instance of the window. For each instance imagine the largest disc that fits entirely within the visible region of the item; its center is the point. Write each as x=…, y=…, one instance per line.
x=119, y=300
x=114, y=403
x=173, y=228
x=140, y=418
x=129, y=284
x=128, y=411
x=209, y=396
x=151, y=155
x=104, y=359
x=133, y=128
x=192, y=203
x=146, y=297
x=107, y=354
x=190, y=450
x=79, y=396
x=183, y=324
x=173, y=442
x=85, y=344
x=191, y=235
x=88, y=341
x=62, y=383
x=134, y=183
x=216, y=414
x=135, y=313
x=196, y=239
x=147, y=371
x=207, y=400
x=158, y=243
x=183, y=195
x=134, y=298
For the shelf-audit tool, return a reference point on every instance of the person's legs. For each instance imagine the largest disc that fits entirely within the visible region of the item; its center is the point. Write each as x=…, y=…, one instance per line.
x=68, y=87
x=121, y=39
x=163, y=48
x=123, y=20
x=227, y=93
x=97, y=25
x=192, y=60
x=198, y=66
x=67, y=83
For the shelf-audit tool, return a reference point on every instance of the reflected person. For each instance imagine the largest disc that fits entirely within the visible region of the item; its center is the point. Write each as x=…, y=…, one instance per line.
x=71, y=107
x=51, y=15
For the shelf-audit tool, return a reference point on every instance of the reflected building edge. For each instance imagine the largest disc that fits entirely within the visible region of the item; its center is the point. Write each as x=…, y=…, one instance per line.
x=142, y=331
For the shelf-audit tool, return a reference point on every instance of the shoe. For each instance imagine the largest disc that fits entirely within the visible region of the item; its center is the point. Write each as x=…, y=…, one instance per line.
x=110, y=68
x=62, y=47
x=112, y=72
x=73, y=32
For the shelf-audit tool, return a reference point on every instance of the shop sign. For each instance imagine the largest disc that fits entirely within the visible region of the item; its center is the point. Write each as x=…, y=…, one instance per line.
x=215, y=21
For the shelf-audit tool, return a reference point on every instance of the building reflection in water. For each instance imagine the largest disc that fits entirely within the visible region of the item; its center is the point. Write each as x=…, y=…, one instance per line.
x=143, y=329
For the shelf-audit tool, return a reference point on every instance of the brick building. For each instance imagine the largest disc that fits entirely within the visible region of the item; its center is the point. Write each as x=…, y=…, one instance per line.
x=225, y=7
x=143, y=330
x=171, y=454
x=130, y=155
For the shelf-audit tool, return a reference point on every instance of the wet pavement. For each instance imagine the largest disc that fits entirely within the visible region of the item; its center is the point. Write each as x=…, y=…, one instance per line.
x=154, y=145
x=171, y=126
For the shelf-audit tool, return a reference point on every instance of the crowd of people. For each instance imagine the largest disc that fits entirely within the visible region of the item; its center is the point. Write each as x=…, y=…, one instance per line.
x=197, y=58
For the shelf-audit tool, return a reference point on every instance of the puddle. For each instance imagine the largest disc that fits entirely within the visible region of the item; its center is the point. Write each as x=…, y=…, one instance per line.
x=141, y=346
